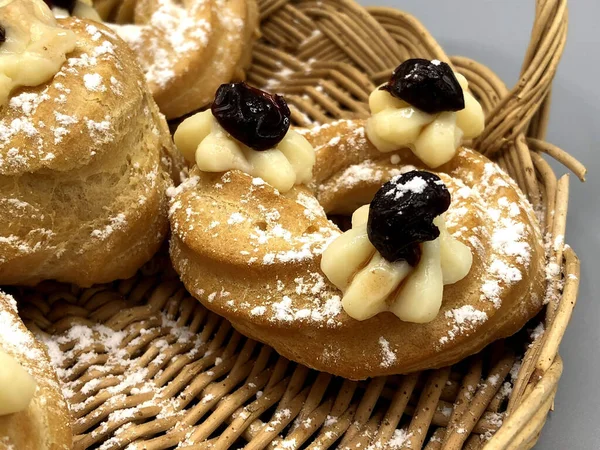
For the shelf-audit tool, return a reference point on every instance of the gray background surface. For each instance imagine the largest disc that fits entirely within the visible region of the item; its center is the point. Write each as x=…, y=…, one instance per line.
x=496, y=33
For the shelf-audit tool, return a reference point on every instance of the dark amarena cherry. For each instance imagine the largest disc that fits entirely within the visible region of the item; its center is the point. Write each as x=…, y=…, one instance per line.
x=255, y=118
x=402, y=212
x=430, y=86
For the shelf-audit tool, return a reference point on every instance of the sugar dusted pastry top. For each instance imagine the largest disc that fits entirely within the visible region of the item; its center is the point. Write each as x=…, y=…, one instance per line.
x=186, y=49
x=43, y=127
x=34, y=46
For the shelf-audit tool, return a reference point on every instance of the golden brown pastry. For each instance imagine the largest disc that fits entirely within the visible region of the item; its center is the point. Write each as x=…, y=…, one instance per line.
x=257, y=255
x=85, y=155
x=33, y=412
x=186, y=49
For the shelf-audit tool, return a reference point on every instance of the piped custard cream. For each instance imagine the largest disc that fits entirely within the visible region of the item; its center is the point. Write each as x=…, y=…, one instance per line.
x=17, y=387
x=35, y=46
x=371, y=284
x=202, y=140
x=433, y=138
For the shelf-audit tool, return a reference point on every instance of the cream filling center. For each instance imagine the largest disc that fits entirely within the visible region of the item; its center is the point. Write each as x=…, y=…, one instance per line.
x=17, y=387
x=35, y=48
x=202, y=140
x=434, y=138
x=372, y=285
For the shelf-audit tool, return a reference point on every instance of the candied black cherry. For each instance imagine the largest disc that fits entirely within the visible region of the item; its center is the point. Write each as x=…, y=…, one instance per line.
x=255, y=118
x=430, y=86
x=402, y=212
x=2, y=34
x=69, y=5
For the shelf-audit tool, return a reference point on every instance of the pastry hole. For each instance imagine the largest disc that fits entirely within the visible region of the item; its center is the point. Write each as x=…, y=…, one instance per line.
x=261, y=225
x=342, y=221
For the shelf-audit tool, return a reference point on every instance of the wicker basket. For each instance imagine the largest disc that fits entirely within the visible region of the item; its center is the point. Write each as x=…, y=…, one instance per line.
x=144, y=365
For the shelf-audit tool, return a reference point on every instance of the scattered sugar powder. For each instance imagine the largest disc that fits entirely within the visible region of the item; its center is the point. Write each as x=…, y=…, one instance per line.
x=126, y=374
x=330, y=420
x=399, y=439
x=388, y=357
x=64, y=121
x=235, y=218
x=494, y=379
x=508, y=234
x=99, y=131
x=115, y=223
x=367, y=171
x=509, y=239
x=334, y=141
x=537, y=332
x=462, y=320
x=415, y=185
x=28, y=102
x=283, y=309
x=313, y=208
x=171, y=31
x=93, y=82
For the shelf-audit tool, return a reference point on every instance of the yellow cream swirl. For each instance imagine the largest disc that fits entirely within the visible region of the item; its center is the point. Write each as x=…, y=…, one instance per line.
x=35, y=47
x=202, y=140
x=17, y=386
x=372, y=285
x=434, y=138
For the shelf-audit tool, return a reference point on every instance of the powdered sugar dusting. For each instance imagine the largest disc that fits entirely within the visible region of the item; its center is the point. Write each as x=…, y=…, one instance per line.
x=27, y=138
x=462, y=320
x=367, y=171
x=115, y=223
x=98, y=349
x=388, y=357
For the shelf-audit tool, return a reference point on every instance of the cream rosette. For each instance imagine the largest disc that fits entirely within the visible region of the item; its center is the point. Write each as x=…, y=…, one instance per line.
x=434, y=138
x=17, y=386
x=202, y=139
x=371, y=284
x=34, y=47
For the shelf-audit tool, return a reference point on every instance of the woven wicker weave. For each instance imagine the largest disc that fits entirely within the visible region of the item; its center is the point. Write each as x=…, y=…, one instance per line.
x=221, y=390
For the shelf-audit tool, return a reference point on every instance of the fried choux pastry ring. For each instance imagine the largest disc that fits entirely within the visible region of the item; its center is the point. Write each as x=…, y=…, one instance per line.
x=443, y=257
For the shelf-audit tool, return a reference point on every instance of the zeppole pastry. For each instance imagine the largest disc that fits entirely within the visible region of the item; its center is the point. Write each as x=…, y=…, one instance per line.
x=85, y=156
x=186, y=49
x=444, y=254
x=33, y=412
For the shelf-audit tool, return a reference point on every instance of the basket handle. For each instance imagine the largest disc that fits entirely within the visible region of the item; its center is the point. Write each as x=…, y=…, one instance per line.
x=525, y=108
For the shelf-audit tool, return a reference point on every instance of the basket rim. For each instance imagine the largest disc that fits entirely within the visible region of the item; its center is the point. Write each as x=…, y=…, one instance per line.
x=518, y=149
